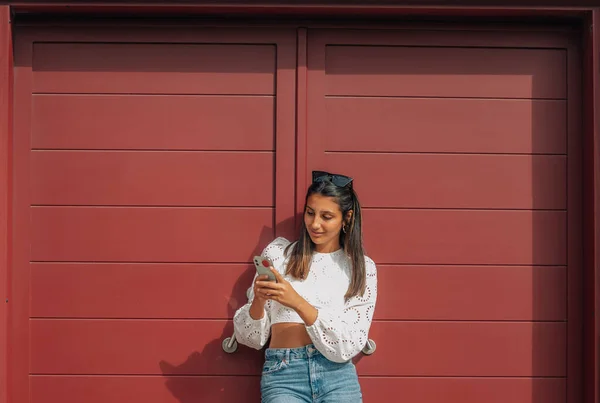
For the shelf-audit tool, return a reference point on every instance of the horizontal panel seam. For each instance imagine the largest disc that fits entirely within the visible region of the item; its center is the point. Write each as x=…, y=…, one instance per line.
x=379, y=263
x=151, y=150
x=432, y=321
x=449, y=209
x=424, y=97
x=155, y=94
x=421, y=265
x=77, y=375
x=444, y=153
x=108, y=206
x=446, y=209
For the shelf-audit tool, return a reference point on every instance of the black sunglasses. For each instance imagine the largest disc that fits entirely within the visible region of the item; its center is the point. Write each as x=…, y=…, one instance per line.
x=338, y=180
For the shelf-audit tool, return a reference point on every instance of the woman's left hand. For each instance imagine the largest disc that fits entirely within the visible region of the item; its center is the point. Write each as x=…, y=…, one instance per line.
x=280, y=291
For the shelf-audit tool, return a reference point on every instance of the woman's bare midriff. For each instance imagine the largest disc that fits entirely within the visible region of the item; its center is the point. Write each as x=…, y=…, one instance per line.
x=289, y=335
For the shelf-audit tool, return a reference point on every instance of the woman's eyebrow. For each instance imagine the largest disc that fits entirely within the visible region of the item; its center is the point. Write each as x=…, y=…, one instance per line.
x=322, y=211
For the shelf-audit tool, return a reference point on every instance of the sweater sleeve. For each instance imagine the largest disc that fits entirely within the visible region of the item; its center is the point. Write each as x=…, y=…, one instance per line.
x=340, y=336
x=251, y=332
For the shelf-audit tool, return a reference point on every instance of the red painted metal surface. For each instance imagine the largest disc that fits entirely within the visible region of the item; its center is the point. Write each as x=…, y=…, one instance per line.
x=302, y=174
x=594, y=166
x=510, y=255
x=6, y=66
x=149, y=389
x=138, y=290
x=159, y=178
x=335, y=8
x=591, y=201
x=464, y=236
x=529, y=293
x=459, y=389
x=574, y=222
x=438, y=180
x=136, y=234
x=443, y=72
x=197, y=69
x=19, y=308
x=176, y=127
x=422, y=219
x=285, y=142
x=136, y=347
x=427, y=389
x=139, y=183
x=419, y=348
x=447, y=292
x=320, y=3
x=469, y=117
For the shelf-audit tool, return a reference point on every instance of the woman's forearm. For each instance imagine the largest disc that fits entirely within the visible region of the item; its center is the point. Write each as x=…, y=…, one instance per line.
x=257, y=310
x=307, y=312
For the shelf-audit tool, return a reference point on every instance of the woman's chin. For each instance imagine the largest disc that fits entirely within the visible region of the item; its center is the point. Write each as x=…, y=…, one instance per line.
x=316, y=240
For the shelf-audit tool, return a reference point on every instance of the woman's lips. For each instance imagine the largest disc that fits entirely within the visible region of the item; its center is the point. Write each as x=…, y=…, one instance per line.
x=317, y=234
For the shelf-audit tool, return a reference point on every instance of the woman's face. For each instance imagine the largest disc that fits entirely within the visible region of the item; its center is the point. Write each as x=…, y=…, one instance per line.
x=323, y=220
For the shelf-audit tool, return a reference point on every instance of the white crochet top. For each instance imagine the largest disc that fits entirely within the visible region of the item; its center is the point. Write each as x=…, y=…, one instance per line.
x=342, y=327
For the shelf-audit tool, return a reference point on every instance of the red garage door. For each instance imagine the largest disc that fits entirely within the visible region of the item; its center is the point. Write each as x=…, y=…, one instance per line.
x=150, y=167
x=464, y=146
x=152, y=163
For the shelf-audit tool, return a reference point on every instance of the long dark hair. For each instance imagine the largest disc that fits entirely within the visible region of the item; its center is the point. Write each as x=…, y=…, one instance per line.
x=301, y=252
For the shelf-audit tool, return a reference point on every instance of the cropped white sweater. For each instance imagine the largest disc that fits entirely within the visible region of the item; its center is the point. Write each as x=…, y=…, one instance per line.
x=342, y=327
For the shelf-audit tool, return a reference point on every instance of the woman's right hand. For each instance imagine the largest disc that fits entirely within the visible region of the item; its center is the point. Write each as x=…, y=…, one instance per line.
x=257, y=309
x=259, y=293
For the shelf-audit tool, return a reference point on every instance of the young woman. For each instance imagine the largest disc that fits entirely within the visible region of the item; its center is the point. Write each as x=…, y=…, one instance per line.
x=319, y=311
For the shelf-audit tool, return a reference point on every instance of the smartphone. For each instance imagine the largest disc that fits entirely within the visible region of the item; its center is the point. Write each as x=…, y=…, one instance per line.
x=262, y=265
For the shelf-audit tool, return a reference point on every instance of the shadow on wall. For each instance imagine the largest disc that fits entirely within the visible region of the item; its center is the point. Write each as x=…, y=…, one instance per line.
x=210, y=375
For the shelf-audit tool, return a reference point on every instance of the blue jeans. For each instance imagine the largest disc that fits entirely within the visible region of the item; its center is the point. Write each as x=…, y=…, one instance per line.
x=303, y=374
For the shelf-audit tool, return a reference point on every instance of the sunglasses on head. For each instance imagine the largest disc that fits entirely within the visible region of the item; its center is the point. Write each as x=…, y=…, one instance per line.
x=338, y=180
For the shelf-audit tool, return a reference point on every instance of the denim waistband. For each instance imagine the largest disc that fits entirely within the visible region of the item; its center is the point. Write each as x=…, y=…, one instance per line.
x=291, y=353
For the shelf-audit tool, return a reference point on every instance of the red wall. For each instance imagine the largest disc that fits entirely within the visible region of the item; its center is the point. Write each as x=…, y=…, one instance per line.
x=5, y=127
x=591, y=163
x=5, y=162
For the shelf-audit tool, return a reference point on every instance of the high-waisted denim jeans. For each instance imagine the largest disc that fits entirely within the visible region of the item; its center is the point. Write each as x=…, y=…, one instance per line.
x=293, y=375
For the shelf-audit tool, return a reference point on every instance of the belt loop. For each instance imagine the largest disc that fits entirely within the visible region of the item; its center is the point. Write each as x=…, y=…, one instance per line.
x=287, y=355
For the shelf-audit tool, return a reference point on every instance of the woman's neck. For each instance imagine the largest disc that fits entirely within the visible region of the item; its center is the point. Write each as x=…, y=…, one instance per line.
x=328, y=248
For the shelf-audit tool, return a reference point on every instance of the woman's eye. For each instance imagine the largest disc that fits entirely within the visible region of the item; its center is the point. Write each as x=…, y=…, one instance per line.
x=327, y=218
x=310, y=213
